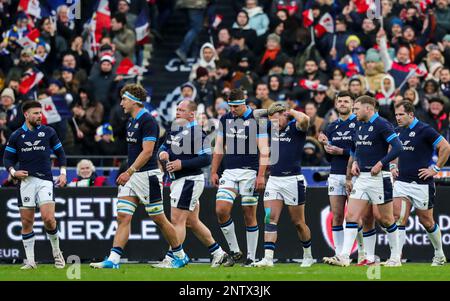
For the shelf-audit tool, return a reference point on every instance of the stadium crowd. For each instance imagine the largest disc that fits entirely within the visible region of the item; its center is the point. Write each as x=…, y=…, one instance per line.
x=299, y=52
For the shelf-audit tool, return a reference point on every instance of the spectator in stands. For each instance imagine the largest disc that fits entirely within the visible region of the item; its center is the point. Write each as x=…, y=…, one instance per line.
x=313, y=154
x=205, y=90
x=223, y=40
x=444, y=84
x=373, y=70
x=86, y=176
x=81, y=55
x=227, y=78
x=65, y=26
x=271, y=54
x=123, y=7
x=102, y=83
x=106, y=141
x=276, y=89
x=355, y=87
x=386, y=97
x=442, y=13
x=258, y=19
x=195, y=10
x=262, y=96
x=323, y=103
x=71, y=84
x=315, y=122
x=242, y=25
x=69, y=60
x=5, y=132
x=437, y=117
x=124, y=38
x=88, y=114
x=207, y=59
x=14, y=117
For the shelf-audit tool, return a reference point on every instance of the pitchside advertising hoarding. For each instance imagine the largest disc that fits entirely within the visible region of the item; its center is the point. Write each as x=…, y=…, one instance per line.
x=86, y=219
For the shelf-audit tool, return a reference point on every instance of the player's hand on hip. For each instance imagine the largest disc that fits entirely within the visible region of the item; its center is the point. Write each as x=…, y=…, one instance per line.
x=394, y=172
x=215, y=179
x=164, y=156
x=123, y=178
x=355, y=169
x=173, y=166
x=425, y=173
x=21, y=174
x=61, y=181
x=376, y=168
x=260, y=183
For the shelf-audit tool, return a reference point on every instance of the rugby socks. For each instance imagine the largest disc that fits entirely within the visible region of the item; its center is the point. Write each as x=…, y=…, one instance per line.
x=28, y=243
x=178, y=252
x=338, y=238
x=306, y=248
x=350, y=233
x=360, y=240
x=214, y=248
x=252, y=241
x=228, y=231
x=269, y=249
x=170, y=254
x=435, y=236
x=53, y=237
x=370, y=240
x=401, y=238
x=393, y=238
x=116, y=253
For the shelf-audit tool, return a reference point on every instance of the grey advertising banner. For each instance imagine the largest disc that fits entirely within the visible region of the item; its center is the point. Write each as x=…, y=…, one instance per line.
x=86, y=220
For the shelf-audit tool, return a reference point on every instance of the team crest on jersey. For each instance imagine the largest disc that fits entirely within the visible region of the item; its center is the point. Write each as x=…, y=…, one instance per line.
x=41, y=134
x=412, y=134
x=371, y=128
x=352, y=125
x=23, y=136
x=247, y=123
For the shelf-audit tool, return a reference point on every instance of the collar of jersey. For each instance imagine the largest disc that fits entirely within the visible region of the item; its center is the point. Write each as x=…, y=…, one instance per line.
x=413, y=124
x=26, y=129
x=248, y=112
x=351, y=117
x=192, y=124
x=141, y=112
x=374, y=117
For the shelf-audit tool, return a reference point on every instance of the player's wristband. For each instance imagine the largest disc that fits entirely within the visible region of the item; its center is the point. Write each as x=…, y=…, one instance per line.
x=392, y=166
x=12, y=171
x=436, y=169
x=63, y=171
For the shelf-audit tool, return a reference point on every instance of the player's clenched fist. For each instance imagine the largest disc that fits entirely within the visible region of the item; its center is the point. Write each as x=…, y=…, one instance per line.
x=164, y=156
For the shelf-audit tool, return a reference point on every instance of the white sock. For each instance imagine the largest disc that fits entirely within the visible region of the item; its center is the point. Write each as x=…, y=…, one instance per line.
x=269, y=250
x=350, y=233
x=178, y=252
x=435, y=238
x=370, y=240
x=28, y=244
x=393, y=240
x=338, y=239
x=360, y=240
x=54, y=238
x=252, y=241
x=228, y=231
x=214, y=248
x=401, y=238
x=306, y=248
x=116, y=253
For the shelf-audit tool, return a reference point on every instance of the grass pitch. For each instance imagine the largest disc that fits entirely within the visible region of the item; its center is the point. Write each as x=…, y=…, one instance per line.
x=202, y=272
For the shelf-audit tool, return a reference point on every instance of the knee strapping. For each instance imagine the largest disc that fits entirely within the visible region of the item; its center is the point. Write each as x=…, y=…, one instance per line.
x=249, y=200
x=126, y=207
x=271, y=228
x=225, y=195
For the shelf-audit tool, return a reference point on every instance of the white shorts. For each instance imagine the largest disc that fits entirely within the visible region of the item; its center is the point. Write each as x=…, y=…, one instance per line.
x=290, y=189
x=185, y=192
x=374, y=189
x=35, y=192
x=421, y=196
x=242, y=180
x=336, y=184
x=147, y=187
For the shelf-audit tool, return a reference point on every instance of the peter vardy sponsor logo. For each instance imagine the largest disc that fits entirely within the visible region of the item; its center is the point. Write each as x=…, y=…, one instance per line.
x=342, y=136
x=32, y=146
x=406, y=147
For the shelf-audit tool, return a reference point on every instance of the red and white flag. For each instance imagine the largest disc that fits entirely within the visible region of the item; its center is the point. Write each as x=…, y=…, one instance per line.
x=30, y=40
x=30, y=82
x=312, y=85
x=421, y=70
x=100, y=21
x=31, y=7
x=128, y=69
x=326, y=24
x=308, y=18
x=142, y=27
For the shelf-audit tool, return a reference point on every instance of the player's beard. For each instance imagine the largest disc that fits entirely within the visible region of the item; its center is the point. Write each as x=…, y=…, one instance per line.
x=35, y=123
